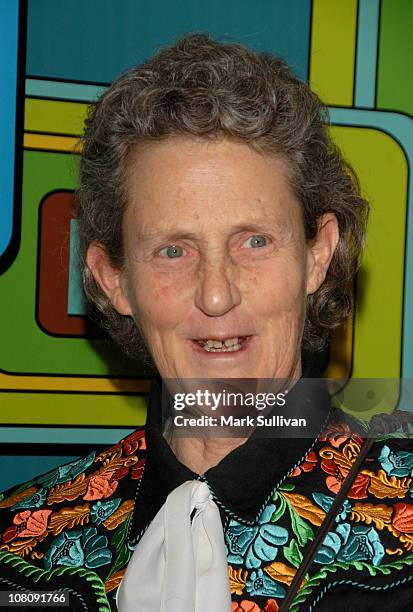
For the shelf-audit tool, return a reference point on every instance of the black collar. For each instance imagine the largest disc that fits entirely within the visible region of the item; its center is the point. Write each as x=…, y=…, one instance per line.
x=243, y=480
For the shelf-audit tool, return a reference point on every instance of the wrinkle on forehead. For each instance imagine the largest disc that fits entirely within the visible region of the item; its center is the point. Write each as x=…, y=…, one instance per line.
x=201, y=186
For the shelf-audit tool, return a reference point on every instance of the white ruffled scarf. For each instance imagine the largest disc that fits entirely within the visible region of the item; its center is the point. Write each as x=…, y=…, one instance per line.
x=179, y=565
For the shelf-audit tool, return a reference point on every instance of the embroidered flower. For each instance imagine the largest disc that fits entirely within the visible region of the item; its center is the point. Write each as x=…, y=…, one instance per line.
x=76, y=548
x=101, y=486
x=245, y=606
x=31, y=524
x=34, y=501
x=325, y=502
x=398, y=463
x=9, y=534
x=102, y=510
x=338, y=433
x=136, y=471
x=260, y=584
x=307, y=466
x=271, y=606
x=133, y=442
x=120, y=472
x=344, y=511
x=337, y=476
x=66, y=472
x=66, y=549
x=403, y=517
x=255, y=544
x=351, y=543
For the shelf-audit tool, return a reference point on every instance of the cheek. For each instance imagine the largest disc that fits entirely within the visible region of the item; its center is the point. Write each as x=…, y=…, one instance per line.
x=157, y=301
x=276, y=289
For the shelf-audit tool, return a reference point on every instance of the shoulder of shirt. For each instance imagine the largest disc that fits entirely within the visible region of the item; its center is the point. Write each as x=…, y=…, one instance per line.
x=342, y=422
x=85, y=505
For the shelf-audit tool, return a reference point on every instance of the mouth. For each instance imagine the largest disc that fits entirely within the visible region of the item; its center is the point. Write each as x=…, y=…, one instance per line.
x=225, y=345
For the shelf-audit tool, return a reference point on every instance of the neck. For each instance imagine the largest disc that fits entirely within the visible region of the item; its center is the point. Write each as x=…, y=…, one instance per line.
x=202, y=453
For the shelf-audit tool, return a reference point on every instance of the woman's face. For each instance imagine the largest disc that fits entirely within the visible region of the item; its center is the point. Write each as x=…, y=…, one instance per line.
x=217, y=268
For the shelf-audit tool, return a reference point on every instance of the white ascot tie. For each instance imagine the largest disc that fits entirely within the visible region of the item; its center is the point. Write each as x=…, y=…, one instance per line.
x=179, y=565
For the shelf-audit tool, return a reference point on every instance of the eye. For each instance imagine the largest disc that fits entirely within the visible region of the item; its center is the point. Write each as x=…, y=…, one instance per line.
x=172, y=251
x=256, y=241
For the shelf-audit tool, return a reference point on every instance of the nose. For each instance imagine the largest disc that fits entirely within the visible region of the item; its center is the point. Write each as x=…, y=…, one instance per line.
x=217, y=289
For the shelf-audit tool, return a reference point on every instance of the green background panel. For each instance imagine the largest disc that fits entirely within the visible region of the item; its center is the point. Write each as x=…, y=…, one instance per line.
x=25, y=348
x=72, y=409
x=56, y=117
x=381, y=166
x=395, y=83
x=333, y=50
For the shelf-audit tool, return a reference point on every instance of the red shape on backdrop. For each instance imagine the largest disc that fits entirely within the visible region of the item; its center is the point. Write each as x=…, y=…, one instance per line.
x=56, y=211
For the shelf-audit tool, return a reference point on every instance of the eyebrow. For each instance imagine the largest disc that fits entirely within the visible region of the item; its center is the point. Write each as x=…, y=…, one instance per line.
x=177, y=234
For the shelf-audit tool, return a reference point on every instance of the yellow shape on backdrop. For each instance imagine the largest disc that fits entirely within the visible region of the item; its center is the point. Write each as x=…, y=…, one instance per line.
x=86, y=409
x=339, y=365
x=333, y=48
x=50, y=142
x=54, y=116
x=75, y=384
x=381, y=166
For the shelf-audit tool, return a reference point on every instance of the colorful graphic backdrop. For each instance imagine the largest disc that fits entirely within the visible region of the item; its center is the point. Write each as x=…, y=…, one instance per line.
x=62, y=385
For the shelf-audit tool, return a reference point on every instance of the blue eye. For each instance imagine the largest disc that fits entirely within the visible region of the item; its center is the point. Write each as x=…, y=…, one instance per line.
x=172, y=251
x=257, y=241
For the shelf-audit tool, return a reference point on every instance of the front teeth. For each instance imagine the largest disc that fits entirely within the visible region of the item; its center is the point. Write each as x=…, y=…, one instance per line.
x=229, y=345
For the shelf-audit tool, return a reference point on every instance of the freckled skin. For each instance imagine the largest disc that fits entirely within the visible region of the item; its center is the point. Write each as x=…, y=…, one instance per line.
x=214, y=246
x=196, y=195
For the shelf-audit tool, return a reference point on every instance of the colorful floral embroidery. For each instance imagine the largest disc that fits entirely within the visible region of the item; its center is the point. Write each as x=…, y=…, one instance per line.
x=79, y=516
x=33, y=501
x=101, y=486
x=27, y=524
x=338, y=433
x=255, y=545
x=347, y=543
x=396, y=463
x=103, y=510
x=338, y=464
x=245, y=606
x=134, y=442
x=403, y=517
x=362, y=531
x=325, y=501
x=271, y=606
x=70, y=518
x=308, y=465
x=76, y=548
x=262, y=585
x=67, y=472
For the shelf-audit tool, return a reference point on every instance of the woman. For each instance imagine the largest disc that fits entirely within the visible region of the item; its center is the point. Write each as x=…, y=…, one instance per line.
x=220, y=229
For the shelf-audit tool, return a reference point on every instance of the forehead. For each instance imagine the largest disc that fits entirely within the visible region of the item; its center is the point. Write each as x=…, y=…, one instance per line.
x=187, y=179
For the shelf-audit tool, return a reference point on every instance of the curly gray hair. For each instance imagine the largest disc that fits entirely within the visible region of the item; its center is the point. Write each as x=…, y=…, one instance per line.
x=202, y=87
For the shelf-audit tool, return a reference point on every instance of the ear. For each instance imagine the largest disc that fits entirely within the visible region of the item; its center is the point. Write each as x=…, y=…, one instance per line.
x=321, y=250
x=109, y=277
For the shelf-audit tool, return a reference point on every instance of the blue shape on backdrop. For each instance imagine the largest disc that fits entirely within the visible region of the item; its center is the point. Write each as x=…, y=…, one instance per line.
x=76, y=301
x=18, y=469
x=9, y=31
x=367, y=44
x=94, y=41
x=63, y=91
